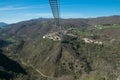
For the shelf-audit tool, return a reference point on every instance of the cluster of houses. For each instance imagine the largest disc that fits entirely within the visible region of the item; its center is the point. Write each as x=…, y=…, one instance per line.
x=56, y=37
x=87, y=40
x=53, y=36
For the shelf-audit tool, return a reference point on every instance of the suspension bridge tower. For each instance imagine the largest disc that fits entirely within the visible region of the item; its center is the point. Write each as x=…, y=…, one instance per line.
x=55, y=7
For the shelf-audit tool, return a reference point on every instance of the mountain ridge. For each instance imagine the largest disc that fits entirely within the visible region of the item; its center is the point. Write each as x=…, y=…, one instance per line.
x=78, y=56
x=3, y=24
x=40, y=27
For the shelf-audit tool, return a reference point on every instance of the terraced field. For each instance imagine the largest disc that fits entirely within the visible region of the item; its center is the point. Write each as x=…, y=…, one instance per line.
x=105, y=27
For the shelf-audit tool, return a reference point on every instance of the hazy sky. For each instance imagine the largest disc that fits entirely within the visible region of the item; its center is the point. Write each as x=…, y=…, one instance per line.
x=12, y=11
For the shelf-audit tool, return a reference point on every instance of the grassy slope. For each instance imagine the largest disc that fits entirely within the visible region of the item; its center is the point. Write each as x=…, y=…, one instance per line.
x=72, y=58
x=104, y=27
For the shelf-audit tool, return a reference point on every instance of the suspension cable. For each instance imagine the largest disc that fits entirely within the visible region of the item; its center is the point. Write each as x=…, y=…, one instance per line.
x=55, y=7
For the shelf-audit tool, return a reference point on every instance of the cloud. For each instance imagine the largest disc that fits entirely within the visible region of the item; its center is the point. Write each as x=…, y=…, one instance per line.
x=71, y=15
x=27, y=16
x=7, y=8
x=24, y=16
x=48, y=15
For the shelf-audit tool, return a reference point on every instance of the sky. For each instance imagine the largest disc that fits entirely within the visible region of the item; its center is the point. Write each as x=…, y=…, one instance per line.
x=12, y=11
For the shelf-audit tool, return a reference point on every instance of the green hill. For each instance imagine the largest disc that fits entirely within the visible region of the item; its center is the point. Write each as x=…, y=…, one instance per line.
x=3, y=24
x=25, y=55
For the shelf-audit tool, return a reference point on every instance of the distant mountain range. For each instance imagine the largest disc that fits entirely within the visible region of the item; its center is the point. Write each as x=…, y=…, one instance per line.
x=3, y=24
x=42, y=26
x=25, y=55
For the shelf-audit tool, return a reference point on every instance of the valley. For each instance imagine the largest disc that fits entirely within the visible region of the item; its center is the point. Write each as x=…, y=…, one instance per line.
x=89, y=50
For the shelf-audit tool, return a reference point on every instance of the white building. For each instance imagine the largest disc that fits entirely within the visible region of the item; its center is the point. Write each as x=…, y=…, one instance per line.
x=87, y=40
x=52, y=36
